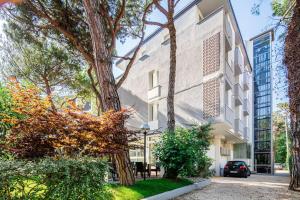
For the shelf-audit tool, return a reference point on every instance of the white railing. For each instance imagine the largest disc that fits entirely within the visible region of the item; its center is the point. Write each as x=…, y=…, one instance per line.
x=238, y=61
x=229, y=72
x=246, y=80
x=239, y=126
x=228, y=32
x=154, y=92
x=238, y=92
x=246, y=133
x=246, y=105
x=229, y=115
x=153, y=125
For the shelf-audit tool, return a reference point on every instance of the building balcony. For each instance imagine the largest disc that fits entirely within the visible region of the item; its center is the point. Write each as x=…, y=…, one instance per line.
x=246, y=133
x=229, y=73
x=153, y=125
x=229, y=115
x=228, y=36
x=247, y=80
x=246, y=106
x=154, y=92
x=239, y=127
x=238, y=62
x=238, y=94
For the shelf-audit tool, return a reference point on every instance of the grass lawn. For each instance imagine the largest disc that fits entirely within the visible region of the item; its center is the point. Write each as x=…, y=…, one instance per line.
x=142, y=189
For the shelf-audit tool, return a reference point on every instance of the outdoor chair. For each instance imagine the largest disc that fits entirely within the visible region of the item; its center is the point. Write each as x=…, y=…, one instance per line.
x=139, y=167
x=155, y=168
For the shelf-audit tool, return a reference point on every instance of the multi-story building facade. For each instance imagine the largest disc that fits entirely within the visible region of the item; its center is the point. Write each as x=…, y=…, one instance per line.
x=213, y=81
x=260, y=52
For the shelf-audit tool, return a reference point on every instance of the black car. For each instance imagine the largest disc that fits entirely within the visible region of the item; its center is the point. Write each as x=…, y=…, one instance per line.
x=236, y=168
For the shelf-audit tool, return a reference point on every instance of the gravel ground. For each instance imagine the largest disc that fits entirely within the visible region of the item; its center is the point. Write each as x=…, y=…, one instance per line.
x=254, y=187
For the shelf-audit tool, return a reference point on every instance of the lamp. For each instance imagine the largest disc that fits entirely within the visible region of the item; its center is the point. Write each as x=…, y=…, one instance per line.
x=145, y=127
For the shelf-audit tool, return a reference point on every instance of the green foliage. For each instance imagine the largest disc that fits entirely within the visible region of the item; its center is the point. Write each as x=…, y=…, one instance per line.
x=279, y=130
x=61, y=179
x=142, y=189
x=184, y=151
x=280, y=145
x=6, y=105
x=281, y=8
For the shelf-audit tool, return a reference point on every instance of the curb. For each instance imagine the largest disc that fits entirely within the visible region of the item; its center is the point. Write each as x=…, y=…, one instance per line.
x=180, y=191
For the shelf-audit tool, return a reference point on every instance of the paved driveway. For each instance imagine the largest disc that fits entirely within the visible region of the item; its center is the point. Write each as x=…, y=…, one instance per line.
x=254, y=187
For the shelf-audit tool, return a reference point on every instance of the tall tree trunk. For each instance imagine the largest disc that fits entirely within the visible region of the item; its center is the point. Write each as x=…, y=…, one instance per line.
x=295, y=135
x=292, y=61
x=172, y=74
x=49, y=93
x=106, y=82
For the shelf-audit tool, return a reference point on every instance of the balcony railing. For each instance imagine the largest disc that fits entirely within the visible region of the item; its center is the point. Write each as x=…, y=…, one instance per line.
x=239, y=127
x=238, y=93
x=238, y=62
x=246, y=133
x=246, y=106
x=153, y=125
x=246, y=81
x=228, y=36
x=154, y=92
x=229, y=73
x=229, y=115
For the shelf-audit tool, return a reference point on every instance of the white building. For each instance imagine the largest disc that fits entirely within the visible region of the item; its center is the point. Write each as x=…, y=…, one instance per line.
x=212, y=80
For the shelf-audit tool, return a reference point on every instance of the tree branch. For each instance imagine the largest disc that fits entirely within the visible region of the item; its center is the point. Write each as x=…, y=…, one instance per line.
x=129, y=65
x=73, y=39
x=155, y=24
x=160, y=8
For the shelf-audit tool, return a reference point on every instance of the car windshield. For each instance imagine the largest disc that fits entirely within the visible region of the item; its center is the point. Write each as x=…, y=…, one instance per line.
x=235, y=163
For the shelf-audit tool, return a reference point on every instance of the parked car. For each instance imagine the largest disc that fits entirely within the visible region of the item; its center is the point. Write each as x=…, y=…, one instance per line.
x=278, y=166
x=236, y=168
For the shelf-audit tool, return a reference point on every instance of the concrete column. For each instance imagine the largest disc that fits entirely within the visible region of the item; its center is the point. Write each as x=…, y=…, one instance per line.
x=217, y=143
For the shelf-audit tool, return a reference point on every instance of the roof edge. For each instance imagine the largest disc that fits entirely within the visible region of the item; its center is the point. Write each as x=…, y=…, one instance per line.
x=158, y=30
x=240, y=34
x=271, y=30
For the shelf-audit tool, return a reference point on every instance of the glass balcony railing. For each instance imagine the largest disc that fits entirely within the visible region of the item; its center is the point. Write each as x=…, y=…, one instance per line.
x=229, y=72
x=229, y=115
x=239, y=127
x=246, y=106
x=246, y=77
x=238, y=62
x=228, y=36
x=238, y=93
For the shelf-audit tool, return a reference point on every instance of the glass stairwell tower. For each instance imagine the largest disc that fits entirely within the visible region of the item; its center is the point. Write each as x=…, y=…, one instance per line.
x=260, y=48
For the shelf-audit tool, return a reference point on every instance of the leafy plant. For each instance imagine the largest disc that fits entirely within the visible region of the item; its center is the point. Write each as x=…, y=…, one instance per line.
x=61, y=179
x=184, y=152
x=44, y=132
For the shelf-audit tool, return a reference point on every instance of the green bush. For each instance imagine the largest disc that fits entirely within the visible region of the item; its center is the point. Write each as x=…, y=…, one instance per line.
x=184, y=151
x=61, y=179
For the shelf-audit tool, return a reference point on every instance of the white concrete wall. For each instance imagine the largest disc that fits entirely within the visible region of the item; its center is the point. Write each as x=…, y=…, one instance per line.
x=189, y=77
x=188, y=88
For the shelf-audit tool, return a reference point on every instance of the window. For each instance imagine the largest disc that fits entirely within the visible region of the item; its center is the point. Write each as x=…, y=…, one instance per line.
x=153, y=112
x=166, y=40
x=144, y=56
x=153, y=79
